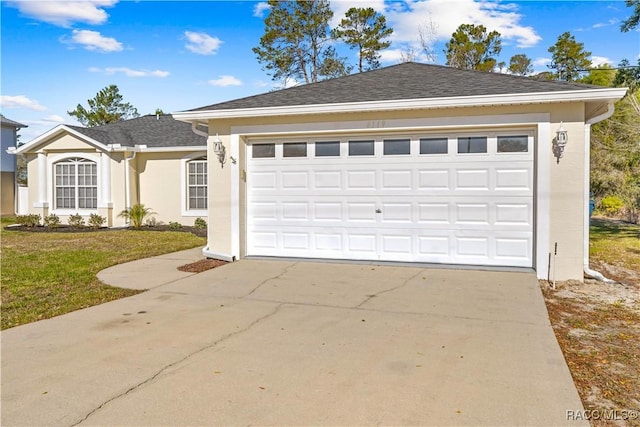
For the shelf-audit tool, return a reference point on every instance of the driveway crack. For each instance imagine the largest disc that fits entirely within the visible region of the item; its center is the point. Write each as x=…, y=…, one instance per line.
x=284, y=271
x=170, y=365
x=384, y=291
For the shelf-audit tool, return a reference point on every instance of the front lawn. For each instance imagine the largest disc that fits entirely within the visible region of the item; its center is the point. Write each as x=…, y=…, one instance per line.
x=598, y=326
x=48, y=274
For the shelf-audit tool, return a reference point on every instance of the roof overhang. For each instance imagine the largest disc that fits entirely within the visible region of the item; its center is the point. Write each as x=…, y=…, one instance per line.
x=52, y=133
x=603, y=95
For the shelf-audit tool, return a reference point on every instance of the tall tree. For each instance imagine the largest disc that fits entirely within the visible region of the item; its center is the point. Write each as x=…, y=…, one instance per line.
x=602, y=75
x=627, y=75
x=634, y=20
x=520, y=65
x=296, y=41
x=364, y=29
x=568, y=58
x=106, y=107
x=472, y=48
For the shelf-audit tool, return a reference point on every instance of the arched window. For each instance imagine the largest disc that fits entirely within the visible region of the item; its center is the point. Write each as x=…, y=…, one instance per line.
x=76, y=184
x=197, y=184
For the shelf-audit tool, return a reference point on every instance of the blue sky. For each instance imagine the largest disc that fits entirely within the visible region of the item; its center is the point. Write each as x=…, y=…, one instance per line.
x=178, y=55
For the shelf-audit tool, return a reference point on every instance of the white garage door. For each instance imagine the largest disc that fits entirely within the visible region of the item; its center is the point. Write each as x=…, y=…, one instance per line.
x=461, y=199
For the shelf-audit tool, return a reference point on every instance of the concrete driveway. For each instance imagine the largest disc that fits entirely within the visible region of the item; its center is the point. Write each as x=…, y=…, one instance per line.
x=294, y=343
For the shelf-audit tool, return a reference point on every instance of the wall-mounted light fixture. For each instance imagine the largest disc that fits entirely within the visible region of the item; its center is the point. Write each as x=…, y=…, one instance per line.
x=220, y=150
x=560, y=142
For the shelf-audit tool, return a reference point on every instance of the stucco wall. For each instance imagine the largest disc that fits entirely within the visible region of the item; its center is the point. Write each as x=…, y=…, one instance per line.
x=566, y=177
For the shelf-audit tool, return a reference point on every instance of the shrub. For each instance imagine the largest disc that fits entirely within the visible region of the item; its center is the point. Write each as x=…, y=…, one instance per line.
x=612, y=205
x=136, y=214
x=96, y=221
x=200, y=223
x=151, y=222
x=174, y=225
x=51, y=220
x=31, y=220
x=76, y=220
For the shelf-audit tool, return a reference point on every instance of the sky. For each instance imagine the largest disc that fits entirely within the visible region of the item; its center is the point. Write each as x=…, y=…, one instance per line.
x=180, y=55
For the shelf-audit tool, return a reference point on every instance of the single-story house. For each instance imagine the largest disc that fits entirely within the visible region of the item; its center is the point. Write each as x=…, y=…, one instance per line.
x=154, y=160
x=409, y=163
x=8, y=138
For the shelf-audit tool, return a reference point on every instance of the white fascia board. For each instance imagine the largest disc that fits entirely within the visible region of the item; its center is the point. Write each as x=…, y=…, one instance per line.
x=605, y=94
x=174, y=149
x=56, y=131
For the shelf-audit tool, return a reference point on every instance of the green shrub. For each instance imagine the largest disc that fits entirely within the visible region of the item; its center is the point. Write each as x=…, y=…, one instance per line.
x=96, y=221
x=136, y=214
x=612, y=205
x=173, y=225
x=200, y=223
x=51, y=220
x=31, y=220
x=76, y=220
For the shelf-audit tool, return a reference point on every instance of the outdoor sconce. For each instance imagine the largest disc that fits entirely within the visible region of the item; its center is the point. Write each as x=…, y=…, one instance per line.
x=220, y=150
x=560, y=142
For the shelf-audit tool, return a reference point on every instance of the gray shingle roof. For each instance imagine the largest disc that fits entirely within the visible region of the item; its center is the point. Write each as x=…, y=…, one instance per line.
x=164, y=131
x=10, y=122
x=403, y=81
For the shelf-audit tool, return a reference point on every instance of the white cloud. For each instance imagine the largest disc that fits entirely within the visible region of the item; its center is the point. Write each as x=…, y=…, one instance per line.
x=541, y=62
x=597, y=61
x=65, y=13
x=260, y=8
x=224, y=81
x=20, y=101
x=129, y=72
x=202, y=43
x=494, y=15
x=54, y=118
x=93, y=40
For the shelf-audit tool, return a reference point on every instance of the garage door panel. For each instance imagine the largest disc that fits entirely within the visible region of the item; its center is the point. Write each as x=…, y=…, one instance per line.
x=298, y=180
x=457, y=209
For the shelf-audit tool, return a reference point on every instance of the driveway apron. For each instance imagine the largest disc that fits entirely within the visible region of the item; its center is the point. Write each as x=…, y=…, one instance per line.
x=297, y=343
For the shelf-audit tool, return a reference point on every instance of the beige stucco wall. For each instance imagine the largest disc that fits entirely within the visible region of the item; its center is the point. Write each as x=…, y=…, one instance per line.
x=566, y=189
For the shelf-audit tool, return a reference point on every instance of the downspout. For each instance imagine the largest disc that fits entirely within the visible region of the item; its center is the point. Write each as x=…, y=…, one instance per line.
x=587, y=194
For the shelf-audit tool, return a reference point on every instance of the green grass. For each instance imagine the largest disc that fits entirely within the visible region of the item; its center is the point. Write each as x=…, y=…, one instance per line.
x=7, y=220
x=615, y=243
x=49, y=274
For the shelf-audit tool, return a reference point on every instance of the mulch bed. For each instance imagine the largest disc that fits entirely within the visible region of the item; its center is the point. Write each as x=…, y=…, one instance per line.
x=201, y=265
x=200, y=232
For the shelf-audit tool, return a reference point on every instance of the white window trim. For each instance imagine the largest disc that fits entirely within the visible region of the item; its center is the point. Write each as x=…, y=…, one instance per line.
x=51, y=162
x=184, y=193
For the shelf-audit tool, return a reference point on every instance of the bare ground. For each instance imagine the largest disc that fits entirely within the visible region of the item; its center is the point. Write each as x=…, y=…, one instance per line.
x=598, y=328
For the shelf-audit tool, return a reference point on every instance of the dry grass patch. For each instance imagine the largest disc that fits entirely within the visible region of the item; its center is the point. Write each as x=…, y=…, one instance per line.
x=598, y=326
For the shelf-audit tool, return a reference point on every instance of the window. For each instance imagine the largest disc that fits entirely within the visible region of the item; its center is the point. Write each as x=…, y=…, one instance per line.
x=472, y=144
x=433, y=146
x=394, y=147
x=331, y=148
x=76, y=184
x=197, y=183
x=260, y=151
x=294, y=149
x=513, y=144
x=361, y=148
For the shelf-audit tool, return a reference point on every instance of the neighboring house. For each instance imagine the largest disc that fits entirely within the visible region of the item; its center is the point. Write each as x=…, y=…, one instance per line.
x=153, y=160
x=411, y=163
x=8, y=138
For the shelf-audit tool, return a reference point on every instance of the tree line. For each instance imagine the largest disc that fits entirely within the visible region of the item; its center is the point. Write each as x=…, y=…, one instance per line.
x=298, y=44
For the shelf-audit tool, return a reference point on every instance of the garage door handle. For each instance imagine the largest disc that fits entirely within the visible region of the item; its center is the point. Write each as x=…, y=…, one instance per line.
x=378, y=211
